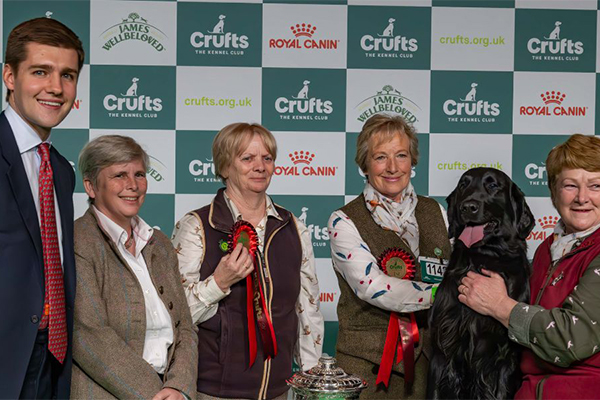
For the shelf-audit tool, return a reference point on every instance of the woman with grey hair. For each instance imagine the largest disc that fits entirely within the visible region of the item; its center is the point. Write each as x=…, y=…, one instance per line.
x=256, y=306
x=133, y=335
x=388, y=248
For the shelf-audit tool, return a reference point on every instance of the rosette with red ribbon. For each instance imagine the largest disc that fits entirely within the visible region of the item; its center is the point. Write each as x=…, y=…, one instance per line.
x=398, y=263
x=256, y=308
x=243, y=232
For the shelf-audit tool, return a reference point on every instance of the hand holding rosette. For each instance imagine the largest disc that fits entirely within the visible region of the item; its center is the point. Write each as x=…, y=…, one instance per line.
x=233, y=267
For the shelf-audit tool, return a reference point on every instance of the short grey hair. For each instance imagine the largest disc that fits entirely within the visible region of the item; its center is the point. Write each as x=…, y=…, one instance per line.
x=108, y=150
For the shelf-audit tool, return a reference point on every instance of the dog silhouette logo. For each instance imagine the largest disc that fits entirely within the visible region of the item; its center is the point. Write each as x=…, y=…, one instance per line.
x=471, y=96
x=303, y=93
x=132, y=91
x=220, y=26
x=302, y=218
x=389, y=30
x=555, y=34
x=49, y=14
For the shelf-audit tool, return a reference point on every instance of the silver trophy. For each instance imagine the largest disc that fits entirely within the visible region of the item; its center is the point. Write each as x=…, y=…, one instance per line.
x=326, y=381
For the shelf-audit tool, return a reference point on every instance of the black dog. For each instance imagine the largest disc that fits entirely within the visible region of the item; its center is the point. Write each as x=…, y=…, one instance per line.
x=472, y=355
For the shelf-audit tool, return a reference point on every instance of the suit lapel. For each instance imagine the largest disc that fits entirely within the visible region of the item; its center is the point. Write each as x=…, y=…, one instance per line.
x=19, y=184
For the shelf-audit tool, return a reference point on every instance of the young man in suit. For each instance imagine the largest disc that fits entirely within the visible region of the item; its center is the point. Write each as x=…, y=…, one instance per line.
x=37, y=267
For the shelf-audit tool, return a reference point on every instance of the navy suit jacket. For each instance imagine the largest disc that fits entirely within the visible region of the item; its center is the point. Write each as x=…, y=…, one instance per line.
x=21, y=263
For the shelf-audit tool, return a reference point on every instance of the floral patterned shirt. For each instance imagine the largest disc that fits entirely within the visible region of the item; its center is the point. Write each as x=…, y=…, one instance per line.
x=353, y=259
x=203, y=296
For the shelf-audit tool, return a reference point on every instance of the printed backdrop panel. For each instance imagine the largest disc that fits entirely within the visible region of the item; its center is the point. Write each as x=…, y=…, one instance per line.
x=133, y=32
x=452, y=154
x=396, y=92
x=212, y=97
x=554, y=102
x=472, y=39
x=306, y=36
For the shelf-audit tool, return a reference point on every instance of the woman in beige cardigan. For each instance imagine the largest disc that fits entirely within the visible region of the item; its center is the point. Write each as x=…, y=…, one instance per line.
x=133, y=334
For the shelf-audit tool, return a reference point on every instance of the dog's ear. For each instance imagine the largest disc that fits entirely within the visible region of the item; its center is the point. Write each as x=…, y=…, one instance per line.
x=524, y=220
x=453, y=225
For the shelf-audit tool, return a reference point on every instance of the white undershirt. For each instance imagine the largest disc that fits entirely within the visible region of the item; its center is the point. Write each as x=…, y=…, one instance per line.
x=28, y=141
x=159, y=331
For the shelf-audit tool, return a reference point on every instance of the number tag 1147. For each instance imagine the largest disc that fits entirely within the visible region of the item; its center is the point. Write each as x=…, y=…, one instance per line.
x=432, y=269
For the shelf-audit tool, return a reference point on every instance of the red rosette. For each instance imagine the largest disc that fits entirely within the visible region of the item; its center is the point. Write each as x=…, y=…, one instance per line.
x=243, y=232
x=397, y=263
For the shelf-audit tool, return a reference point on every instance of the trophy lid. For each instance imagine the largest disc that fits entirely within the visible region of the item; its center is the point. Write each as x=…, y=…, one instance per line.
x=326, y=377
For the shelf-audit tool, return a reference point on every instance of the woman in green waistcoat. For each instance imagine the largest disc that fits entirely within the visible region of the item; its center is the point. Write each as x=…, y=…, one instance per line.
x=389, y=248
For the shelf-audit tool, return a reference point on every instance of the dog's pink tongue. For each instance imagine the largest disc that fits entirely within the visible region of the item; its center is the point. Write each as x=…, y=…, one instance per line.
x=471, y=235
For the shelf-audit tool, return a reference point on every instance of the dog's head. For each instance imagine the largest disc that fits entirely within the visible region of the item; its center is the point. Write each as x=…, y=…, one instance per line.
x=488, y=209
x=134, y=80
x=221, y=17
x=473, y=85
x=558, y=23
x=391, y=20
x=306, y=83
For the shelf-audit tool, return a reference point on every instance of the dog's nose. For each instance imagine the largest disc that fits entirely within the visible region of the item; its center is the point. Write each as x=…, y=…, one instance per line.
x=469, y=207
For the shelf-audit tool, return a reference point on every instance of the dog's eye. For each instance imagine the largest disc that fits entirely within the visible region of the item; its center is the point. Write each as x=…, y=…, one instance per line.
x=493, y=186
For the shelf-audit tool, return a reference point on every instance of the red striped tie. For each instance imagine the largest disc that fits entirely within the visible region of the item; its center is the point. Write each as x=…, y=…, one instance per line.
x=54, y=302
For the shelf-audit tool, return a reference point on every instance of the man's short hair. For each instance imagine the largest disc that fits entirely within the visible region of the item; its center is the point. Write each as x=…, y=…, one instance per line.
x=47, y=31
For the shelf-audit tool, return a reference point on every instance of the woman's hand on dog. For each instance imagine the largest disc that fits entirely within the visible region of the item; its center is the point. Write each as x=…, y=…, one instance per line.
x=487, y=295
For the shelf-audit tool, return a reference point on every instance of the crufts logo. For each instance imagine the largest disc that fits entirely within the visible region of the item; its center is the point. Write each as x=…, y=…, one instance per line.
x=304, y=157
x=553, y=106
x=203, y=171
x=470, y=109
x=319, y=234
x=552, y=47
x=146, y=106
x=388, y=99
x=134, y=27
x=385, y=44
x=303, y=107
x=303, y=39
x=543, y=228
x=536, y=173
x=217, y=41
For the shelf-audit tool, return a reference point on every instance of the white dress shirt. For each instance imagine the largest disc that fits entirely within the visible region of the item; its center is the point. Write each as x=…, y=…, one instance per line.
x=28, y=141
x=159, y=331
x=203, y=296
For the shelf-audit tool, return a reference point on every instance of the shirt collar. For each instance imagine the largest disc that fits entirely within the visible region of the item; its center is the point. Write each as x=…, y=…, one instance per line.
x=118, y=235
x=237, y=215
x=25, y=136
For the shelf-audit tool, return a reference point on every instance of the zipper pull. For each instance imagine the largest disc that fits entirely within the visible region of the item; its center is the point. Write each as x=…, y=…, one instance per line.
x=558, y=278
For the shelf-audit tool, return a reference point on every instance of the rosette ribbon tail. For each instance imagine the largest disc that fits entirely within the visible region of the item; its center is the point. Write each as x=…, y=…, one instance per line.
x=265, y=327
x=409, y=337
x=251, y=321
x=389, y=349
